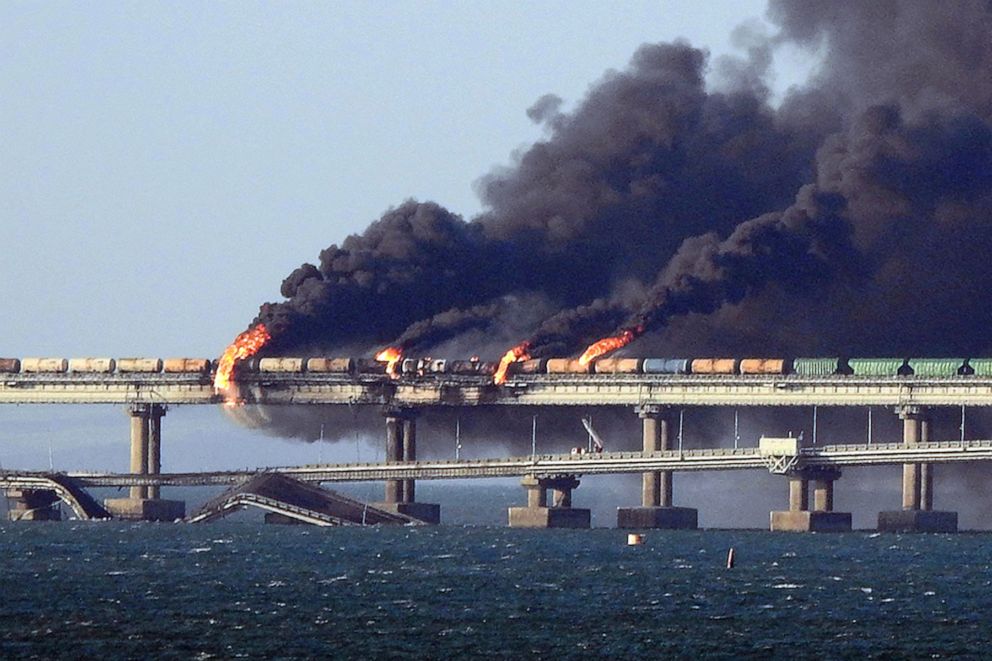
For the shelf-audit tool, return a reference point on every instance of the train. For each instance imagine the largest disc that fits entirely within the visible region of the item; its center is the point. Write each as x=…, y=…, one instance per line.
x=425, y=367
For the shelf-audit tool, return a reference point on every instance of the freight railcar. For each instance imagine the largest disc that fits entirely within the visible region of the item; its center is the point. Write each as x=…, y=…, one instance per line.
x=92, y=365
x=186, y=365
x=331, y=365
x=55, y=365
x=567, y=366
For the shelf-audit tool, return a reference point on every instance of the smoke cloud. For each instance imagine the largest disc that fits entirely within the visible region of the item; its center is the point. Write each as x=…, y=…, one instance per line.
x=854, y=217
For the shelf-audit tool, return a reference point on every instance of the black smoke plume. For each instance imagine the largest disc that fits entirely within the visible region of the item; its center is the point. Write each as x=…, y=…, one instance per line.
x=852, y=217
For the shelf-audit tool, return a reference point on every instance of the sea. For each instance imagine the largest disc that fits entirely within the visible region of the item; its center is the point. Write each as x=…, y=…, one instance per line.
x=243, y=589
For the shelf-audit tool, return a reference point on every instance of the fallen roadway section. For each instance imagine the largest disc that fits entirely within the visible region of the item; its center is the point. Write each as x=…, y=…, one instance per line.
x=286, y=500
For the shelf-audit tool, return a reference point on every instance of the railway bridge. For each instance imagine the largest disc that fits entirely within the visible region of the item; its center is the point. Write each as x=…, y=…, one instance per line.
x=654, y=398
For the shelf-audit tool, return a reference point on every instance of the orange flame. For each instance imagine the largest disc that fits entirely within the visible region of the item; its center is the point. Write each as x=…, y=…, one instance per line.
x=244, y=346
x=608, y=344
x=514, y=355
x=391, y=356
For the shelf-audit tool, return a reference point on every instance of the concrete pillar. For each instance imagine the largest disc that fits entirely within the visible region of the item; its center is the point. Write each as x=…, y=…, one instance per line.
x=409, y=454
x=798, y=493
x=656, y=510
x=917, y=513
x=139, y=446
x=822, y=517
x=537, y=493
x=823, y=495
x=154, y=467
x=656, y=486
x=910, y=416
x=394, y=453
x=926, y=471
x=537, y=514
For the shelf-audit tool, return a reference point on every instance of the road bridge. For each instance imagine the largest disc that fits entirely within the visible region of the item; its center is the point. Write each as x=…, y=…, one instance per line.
x=605, y=463
x=653, y=397
x=820, y=465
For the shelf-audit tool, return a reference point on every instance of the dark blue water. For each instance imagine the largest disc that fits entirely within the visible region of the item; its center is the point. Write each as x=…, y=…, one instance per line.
x=228, y=590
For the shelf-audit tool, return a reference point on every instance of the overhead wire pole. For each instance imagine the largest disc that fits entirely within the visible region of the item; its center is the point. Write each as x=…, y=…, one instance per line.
x=533, y=438
x=814, y=424
x=737, y=434
x=869, y=425
x=681, y=417
x=458, y=437
x=962, y=423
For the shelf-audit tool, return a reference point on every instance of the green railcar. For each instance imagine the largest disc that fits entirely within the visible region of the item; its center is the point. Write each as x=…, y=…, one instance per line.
x=815, y=366
x=876, y=366
x=981, y=366
x=936, y=366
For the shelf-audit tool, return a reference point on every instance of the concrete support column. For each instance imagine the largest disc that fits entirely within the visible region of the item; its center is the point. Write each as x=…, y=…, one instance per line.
x=139, y=446
x=537, y=514
x=798, y=493
x=917, y=513
x=537, y=493
x=394, y=453
x=154, y=466
x=911, y=473
x=822, y=517
x=656, y=486
x=926, y=471
x=823, y=495
x=409, y=454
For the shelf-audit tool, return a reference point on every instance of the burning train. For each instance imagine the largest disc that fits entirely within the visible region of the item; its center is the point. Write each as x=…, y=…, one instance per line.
x=412, y=368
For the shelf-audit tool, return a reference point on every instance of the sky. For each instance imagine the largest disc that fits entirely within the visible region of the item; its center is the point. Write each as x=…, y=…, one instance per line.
x=163, y=166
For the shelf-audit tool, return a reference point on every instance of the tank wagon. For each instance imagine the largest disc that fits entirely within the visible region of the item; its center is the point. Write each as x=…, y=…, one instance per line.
x=812, y=367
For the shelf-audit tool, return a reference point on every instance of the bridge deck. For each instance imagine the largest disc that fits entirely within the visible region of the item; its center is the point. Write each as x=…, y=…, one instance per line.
x=530, y=390
x=588, y=464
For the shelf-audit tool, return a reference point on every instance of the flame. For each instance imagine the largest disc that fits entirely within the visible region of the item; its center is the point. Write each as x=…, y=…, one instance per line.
x=244, y=346
x=608, y=344
x=391, y=356
x=514, y=355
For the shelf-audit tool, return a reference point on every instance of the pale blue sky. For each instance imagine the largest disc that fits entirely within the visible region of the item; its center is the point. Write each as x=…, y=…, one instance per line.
x=164, y=165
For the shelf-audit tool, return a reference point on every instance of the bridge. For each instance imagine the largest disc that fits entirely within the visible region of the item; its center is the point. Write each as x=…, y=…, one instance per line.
x=520, y=390
x=715, y=459
x=654, y=397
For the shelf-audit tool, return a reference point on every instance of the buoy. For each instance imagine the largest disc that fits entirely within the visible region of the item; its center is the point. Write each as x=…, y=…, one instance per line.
x=730, y=558
x=635, y=539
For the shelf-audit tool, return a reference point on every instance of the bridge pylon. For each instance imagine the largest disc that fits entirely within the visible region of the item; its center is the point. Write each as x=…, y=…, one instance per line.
x=144, y=502
x=657, y=509
x=822, y=517
x=539, y=514
x=917, y=513
x=401, y=446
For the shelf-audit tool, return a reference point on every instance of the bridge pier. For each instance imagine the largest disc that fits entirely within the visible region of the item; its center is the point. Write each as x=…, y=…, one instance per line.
x=33, y=505
x=537, y=514
x=822, y=518
x=656, y=510
x=917, y=514
x=401, y=445
x=144, y=503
